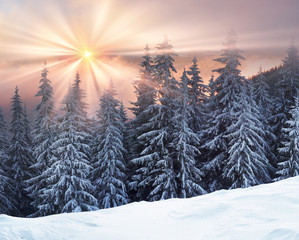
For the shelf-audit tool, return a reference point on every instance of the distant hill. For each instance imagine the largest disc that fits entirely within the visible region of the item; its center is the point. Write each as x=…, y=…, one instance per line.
x=272, y=76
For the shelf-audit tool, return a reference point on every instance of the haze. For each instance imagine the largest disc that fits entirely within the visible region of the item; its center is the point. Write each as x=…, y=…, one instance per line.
x=115, y=32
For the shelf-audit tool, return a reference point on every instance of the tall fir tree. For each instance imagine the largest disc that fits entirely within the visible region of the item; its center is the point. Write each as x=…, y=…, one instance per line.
x=247, y=163
x=197, y=93
x=290, y=147
x=185, y=140
x=260, y=93
x=210, y=107
x=20, y=154
x=156, y=173
x=109, y=165
x=43, y=136
x=286, y=92
x=146, y=93
x=7, y=203
x=236, y=135
x=145, y=87
x=69, y=188
x=226, y=88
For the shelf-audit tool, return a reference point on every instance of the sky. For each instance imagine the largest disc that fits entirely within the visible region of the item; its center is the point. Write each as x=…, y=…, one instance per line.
x=115, y=32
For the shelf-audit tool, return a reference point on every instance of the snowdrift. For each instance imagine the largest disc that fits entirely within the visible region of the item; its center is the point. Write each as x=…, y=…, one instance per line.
x=267, y=212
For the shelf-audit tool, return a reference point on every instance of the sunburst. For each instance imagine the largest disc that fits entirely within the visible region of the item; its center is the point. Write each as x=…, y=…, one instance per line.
x=97, y=38
x=77, y=42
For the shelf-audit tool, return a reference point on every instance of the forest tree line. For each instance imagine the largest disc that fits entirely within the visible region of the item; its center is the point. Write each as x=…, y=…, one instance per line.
x=187, y=138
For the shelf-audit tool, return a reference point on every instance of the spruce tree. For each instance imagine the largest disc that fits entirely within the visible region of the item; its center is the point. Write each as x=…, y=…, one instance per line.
x=290, y=147
x=260, y=91
x=236, y=135
x=226, y=89
x=197, y=93
x=156, y=173
x=286, y=89
x=146, y=93
x=43, y=136
x=20, y=155
x=68, y=186
x=7, y=204
x=188, y=175
x=247, y=163
x=109, y=165
x=145, y=87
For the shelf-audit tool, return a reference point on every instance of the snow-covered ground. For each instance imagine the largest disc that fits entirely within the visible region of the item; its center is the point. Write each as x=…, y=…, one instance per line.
x=269, y=211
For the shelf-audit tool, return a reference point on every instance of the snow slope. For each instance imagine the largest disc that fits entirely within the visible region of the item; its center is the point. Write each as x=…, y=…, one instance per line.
x=269, y=211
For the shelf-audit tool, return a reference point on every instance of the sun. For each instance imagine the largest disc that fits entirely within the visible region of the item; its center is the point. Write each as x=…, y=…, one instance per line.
x=87, y=54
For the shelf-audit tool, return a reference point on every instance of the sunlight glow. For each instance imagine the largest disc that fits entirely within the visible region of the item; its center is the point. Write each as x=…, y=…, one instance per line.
x=69, y=43
x=87, y=54
x=101, y=40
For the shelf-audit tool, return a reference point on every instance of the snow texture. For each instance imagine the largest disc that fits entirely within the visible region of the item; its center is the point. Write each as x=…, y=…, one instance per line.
x=266, y=212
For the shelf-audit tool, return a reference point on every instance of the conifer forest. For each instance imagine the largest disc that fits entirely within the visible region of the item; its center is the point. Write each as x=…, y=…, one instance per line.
x=188, y=136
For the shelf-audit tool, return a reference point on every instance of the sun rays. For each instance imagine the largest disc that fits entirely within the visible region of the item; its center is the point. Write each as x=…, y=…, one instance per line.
x=88, y=43
x=104, y=39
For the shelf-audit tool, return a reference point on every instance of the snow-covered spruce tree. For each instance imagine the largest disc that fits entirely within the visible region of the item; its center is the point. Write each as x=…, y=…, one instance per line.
x=210, y=107
x=20, y=154
x=197, y=92
x=126, y=133
x=247, y=163
x=277, y=120
x=290, y=148
x=43, y=136
x=109, y=166
x=7, y=204
x=68, y=186
x=157, y=170
x=85, y=123
x=260, y=92
x=146, y=93
x=226, y=88
x=286, y=92
x=188, y=175
x=145, y=89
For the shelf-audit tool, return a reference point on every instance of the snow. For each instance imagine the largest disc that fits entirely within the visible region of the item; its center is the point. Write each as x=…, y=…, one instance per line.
x=269, y=211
